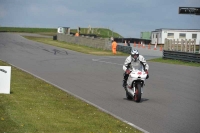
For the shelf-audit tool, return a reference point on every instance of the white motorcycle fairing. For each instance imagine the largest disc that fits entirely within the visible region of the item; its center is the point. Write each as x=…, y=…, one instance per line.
x=135, y=82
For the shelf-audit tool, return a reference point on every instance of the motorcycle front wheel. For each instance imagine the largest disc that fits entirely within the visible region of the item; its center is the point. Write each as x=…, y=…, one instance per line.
x=138, y=93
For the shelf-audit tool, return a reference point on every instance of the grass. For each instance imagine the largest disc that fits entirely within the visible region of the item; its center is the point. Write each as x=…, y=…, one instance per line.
x=74, y=47
x=28, y=30
x=100, y=32
x=177, y=62
x=36, y=106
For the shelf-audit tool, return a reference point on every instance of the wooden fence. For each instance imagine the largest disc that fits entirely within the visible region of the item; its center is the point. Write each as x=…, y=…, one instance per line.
x=181, y=45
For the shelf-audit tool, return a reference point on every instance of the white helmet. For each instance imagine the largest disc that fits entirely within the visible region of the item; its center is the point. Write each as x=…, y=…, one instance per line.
x=134, y=54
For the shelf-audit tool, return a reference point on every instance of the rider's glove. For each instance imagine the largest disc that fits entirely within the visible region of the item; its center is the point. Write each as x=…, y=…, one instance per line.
x=128, y=71
x=146, y=71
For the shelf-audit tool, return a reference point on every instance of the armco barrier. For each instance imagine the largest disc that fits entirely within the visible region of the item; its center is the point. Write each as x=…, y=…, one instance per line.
x=185, y=56
x=124, y=49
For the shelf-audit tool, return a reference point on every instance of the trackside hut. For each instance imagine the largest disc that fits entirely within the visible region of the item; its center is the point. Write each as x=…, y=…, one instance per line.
x=159, y=35
x=64, y=30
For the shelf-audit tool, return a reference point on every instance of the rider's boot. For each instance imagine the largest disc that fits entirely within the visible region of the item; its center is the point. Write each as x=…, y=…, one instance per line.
x=124, y=83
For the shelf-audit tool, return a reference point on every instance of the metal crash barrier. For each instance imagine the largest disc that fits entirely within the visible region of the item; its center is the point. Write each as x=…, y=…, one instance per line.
x=181, y=49
x=185, y=56
x=124, y=49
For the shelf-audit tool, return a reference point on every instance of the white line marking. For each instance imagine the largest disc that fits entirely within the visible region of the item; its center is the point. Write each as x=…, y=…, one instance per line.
x=98, y=60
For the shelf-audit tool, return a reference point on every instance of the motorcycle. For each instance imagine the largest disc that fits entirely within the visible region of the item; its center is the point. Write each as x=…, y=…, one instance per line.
x=135, y=83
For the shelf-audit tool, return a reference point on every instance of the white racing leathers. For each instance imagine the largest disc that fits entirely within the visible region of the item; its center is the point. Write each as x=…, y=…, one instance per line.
x=134, y=65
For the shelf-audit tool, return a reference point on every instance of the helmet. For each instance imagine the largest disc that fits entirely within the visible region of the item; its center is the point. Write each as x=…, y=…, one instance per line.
x=134, y=54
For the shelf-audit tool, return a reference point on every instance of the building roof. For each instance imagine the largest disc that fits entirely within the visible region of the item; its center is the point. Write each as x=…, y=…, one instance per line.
x=63, y=27
x=176, y=29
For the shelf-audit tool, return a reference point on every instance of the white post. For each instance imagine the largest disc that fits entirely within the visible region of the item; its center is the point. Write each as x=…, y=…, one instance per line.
x=5, y=78
x=189, y=44
x=170, y=44
x=177, y=44
x=182, y=45
x=186, y=45
x=194, y=45
x=155, y=45
x=199, y=46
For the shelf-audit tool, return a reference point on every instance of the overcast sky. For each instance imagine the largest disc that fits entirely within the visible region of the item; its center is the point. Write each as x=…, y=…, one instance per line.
x=127, y=17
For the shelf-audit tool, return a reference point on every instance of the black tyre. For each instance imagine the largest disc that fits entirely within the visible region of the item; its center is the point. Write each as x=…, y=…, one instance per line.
x=138, y=93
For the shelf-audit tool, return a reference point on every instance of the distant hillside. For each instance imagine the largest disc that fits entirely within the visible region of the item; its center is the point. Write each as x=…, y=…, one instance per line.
x=100, y=32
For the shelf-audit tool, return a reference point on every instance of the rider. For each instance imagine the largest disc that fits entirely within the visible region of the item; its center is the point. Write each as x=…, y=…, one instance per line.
x=134, y=61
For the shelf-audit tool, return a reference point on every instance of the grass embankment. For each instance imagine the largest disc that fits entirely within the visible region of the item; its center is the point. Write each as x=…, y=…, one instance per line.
x=74, y=47
x=44, y=31
x=36, y=106
x=100, y=32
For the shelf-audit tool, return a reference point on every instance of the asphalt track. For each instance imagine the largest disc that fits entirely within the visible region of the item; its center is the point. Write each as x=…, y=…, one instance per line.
x=171, y=99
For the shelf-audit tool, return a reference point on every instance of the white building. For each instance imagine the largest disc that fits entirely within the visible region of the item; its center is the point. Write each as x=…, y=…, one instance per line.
x=65, y=30
x=158, y=36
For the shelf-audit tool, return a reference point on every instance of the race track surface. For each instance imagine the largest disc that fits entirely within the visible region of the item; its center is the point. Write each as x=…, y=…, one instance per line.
x=171, y=99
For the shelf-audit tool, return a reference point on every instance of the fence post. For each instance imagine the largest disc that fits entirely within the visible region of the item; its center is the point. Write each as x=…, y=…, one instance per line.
x=177, y=45
x=185, y=45
x=170, y=44
x=182, y=43
x=171, y=48
x=165, y=44
x=199, y=46
x=194, y=45
x=173, y=45
x=189, y=44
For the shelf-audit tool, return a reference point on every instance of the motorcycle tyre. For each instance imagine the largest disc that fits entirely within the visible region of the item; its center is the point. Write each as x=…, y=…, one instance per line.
x=138, y=94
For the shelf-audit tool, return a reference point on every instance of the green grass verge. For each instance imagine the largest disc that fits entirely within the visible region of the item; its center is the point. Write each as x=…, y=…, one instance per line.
x=36, y=106
x=28, y=30
x=100, y=32
x=177, y=62
x=74, y=47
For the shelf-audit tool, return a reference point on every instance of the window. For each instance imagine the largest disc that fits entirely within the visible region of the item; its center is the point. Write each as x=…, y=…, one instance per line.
x=170, y=35
x=194, y=36
x=182, y=35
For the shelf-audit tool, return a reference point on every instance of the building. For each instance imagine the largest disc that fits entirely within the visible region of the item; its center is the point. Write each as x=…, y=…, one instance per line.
x=145, y=35
x=65, y=30
x=158, y=36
